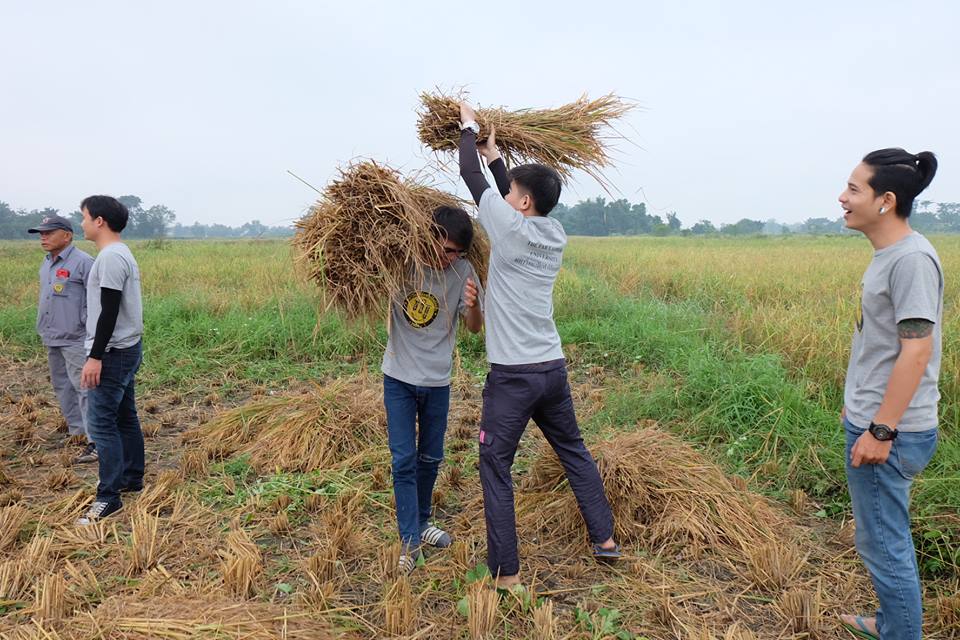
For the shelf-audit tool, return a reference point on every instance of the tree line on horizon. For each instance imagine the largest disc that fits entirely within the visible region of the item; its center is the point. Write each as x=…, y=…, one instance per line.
x=590, y=217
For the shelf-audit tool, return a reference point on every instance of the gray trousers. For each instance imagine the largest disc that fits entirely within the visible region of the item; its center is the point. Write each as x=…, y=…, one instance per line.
x=66, y=363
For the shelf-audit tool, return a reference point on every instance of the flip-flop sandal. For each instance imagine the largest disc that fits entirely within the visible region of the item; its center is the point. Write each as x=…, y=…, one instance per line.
x=862, y=631
x=607, y=556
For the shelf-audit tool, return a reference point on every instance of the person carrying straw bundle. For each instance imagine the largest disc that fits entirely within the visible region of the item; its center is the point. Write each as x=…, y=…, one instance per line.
x=374, y=242
x=417, y=365
x=528, y=375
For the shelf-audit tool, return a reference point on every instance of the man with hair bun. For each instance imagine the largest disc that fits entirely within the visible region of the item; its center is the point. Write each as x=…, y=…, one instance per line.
x=891, y=394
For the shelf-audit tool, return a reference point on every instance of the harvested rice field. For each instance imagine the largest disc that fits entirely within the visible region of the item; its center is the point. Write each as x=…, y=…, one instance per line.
x=707, y=392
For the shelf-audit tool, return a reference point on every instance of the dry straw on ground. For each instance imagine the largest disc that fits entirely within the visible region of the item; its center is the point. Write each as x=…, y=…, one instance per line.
x=12, y=519
x=399, y=608
x=574, y=136
x=544, y=622
x=145, y=542
x=330, y=427
x=482, y=611
x=371, y=233
x=214, y=572
x=188, y=616
x=241, y=564
x=663, y=493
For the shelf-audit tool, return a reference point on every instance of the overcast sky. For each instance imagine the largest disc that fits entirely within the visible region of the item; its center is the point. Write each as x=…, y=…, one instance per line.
x=750, y=109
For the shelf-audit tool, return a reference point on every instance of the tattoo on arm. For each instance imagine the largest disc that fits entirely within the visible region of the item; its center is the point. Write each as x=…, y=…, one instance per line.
x=914, y=328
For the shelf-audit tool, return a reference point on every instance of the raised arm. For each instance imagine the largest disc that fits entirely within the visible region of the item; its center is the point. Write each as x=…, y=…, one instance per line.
x=495, y=163
x=470, y=169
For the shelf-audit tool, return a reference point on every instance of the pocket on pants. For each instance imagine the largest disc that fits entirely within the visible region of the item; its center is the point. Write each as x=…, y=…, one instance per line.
x=486, y=386
x=912, y=451
x=486, y=438
x=111, y=367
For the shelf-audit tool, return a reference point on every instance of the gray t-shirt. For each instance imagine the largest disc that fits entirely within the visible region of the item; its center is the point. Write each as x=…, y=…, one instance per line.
x=423, y=326
x=904, y=281
x=525, y=258
x=116, y=268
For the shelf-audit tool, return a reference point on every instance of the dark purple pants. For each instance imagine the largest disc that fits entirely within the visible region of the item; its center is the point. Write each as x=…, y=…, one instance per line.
x=512, y=396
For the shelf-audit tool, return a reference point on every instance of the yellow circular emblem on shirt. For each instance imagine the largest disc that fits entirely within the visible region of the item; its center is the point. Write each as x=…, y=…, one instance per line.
x=421, y=309
x=58, y=287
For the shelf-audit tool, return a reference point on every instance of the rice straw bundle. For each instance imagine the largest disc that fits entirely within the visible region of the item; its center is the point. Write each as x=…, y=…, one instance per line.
x=334, y=426
x=195, y=616
x=570, y=137
x=662, y=492
x=365, y=233
x=12, y=519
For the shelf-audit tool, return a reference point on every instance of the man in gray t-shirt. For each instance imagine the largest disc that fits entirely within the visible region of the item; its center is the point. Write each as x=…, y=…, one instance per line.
x=116, y=269
x=423, y=324
x=904, y=282
x=890, y=396
x=416, y=375
x=528, y=374
x=114, y=329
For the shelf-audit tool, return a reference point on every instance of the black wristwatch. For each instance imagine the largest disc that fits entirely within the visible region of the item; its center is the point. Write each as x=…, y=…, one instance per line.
x=882, y=432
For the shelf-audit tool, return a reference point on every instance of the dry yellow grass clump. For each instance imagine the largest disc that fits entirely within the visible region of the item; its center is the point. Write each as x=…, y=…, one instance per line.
x=371, y=231
x=573, y=136
x=189, y=616
x=663, y=493
x=330, y=427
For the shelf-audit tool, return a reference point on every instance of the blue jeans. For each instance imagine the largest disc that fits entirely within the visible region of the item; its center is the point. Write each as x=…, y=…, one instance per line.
x=415, y=457
x=880, y=494
x=113, y=425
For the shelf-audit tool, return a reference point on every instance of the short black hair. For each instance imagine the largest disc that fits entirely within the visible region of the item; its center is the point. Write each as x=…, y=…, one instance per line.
x=542, y=182
x=113, y=212
x=901, y=173
x=454, y=225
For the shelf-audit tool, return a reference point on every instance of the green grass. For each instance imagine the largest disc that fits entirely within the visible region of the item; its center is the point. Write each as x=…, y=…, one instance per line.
x=220, y=314
x=743, y=407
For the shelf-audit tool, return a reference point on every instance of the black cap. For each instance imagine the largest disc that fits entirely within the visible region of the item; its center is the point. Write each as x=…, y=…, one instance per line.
x=52, y=223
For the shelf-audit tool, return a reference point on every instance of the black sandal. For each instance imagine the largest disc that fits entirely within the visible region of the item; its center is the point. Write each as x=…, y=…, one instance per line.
x=606, y=556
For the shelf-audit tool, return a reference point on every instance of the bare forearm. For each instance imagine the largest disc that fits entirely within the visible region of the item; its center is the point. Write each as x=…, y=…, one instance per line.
x=904, y=380
x=474, y=319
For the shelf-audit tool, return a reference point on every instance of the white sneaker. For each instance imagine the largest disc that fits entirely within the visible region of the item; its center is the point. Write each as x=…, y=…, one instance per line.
x=98, y=511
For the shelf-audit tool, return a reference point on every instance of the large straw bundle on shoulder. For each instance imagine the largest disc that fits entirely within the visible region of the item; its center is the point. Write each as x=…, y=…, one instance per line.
x=369, y=228
x=570, y=137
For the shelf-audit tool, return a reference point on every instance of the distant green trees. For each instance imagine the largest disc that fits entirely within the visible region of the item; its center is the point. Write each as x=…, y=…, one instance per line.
x=156, y=221
x=591, y=217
